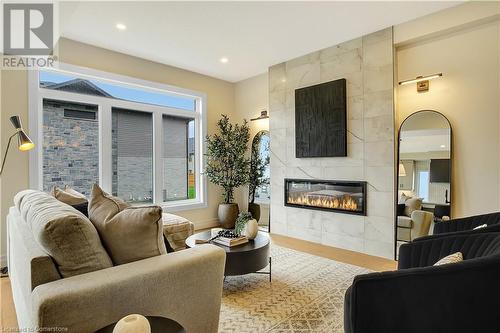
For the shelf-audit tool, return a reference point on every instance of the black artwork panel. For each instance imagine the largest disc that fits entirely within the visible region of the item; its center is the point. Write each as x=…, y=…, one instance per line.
x=321, y=120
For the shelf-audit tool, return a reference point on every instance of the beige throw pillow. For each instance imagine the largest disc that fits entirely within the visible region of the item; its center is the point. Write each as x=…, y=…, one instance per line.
x=63, y=232
x=128, y=233
x=69, y=196
x=450, y=259
x=412, y=204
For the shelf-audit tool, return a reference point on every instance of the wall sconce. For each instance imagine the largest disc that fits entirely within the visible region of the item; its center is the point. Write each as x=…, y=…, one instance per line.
x=263, y=115
x=421, y=81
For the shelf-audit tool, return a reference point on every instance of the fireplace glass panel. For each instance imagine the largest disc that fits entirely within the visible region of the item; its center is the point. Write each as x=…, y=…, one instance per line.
x=341, y=196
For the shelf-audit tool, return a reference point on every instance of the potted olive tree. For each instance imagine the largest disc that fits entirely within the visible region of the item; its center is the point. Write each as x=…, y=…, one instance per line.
x=227, y=165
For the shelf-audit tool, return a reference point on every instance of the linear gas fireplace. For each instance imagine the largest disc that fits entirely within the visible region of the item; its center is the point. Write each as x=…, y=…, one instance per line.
x=339, y=196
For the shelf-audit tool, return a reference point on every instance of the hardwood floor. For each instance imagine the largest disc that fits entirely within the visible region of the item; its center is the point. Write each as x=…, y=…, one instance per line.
x=8, y=316
x=341, y=255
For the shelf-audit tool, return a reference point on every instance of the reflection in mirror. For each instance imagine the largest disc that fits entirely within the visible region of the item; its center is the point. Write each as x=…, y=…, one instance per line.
x=259, y=196
x=424, y=174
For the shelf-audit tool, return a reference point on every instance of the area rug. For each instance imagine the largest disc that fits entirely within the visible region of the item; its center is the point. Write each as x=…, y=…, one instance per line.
x=306, y=295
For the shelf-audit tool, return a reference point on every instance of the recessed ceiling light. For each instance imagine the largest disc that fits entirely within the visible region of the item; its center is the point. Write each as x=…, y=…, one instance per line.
x=443, y=146
x=121, y=26
x=224, y=60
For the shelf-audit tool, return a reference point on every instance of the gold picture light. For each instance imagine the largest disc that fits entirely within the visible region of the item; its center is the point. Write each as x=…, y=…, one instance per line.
x=263, y=115
x=24, y=141
x=421, y=81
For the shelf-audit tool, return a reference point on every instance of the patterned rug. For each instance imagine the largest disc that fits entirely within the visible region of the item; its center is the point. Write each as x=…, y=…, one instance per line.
x=306, y=295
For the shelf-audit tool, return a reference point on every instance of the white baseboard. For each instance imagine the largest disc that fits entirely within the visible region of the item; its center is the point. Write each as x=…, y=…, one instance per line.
x=206, y=224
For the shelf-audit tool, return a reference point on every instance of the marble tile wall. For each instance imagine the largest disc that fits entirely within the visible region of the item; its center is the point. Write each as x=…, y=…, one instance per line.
x=367, y=64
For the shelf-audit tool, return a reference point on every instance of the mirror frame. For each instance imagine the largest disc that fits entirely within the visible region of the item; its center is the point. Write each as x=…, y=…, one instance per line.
x=396, y=185
x=253, y=144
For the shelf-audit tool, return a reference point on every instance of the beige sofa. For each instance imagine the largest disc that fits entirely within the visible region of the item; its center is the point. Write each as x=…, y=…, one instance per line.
x=185, y=286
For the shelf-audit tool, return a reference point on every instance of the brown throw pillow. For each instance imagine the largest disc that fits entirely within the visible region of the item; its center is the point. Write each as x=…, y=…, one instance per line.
x=69, y=196
x=73, y=198
x=128, y=233
x=65, y=234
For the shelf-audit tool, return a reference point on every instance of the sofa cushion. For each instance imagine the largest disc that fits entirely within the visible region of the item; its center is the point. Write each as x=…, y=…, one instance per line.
x=68, y=196
x=412, y=204
x=128, y=233
x=72, y=197
x=63, y=232
x=176, y=229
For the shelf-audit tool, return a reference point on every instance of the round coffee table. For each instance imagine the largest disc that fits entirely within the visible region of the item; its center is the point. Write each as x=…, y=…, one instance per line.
x=158, y=325
x=242, y=259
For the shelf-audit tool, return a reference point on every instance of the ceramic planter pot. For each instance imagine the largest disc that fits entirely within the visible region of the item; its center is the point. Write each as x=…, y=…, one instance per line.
x=228, y=213
x=251, y=229
x=254, y=209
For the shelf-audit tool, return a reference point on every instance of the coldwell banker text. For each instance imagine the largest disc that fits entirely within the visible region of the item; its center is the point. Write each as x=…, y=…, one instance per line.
x=27, y=35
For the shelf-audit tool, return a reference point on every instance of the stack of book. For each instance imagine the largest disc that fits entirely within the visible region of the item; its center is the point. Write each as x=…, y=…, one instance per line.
x=228, y=241
x=231, y=241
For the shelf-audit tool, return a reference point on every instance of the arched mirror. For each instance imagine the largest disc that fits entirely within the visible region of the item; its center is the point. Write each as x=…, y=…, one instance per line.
x=424, y=174
x=259, y=195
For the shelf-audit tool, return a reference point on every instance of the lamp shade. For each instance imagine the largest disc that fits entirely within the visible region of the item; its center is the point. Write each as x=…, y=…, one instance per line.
x=402, y=170
x=16, y=122
x=24, y=141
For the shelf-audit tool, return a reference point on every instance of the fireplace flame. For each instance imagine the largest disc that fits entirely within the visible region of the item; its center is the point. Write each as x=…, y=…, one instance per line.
x=345, y=202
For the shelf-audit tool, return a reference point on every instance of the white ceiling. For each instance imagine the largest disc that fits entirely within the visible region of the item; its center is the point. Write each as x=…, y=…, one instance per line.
x=252, y=35
x=425, y=141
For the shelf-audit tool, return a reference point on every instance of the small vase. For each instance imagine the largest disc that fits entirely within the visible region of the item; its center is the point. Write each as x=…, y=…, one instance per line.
x=228, y=213
x=254, y=209
x=251, y=229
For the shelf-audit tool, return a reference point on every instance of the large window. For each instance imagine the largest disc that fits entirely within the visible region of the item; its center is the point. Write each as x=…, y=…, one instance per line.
x=141, y=141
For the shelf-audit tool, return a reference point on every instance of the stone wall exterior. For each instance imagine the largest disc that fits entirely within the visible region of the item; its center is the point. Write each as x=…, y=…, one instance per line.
x=367, y=64
x=70, y=149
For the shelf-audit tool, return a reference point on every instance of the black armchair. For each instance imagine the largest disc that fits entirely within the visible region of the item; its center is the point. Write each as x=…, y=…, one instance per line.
x=469, y=223
x=419, y=297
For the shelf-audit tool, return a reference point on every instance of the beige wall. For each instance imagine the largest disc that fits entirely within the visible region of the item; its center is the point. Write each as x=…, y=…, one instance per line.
x=251, y=97
x=14, y=96
x=464, y=44
x=14, y=101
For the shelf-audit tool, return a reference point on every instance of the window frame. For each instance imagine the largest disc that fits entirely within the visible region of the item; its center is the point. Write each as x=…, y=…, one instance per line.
x=105, y=105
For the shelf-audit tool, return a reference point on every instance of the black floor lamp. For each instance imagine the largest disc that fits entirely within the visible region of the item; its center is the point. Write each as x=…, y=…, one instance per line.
x=24, y=141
